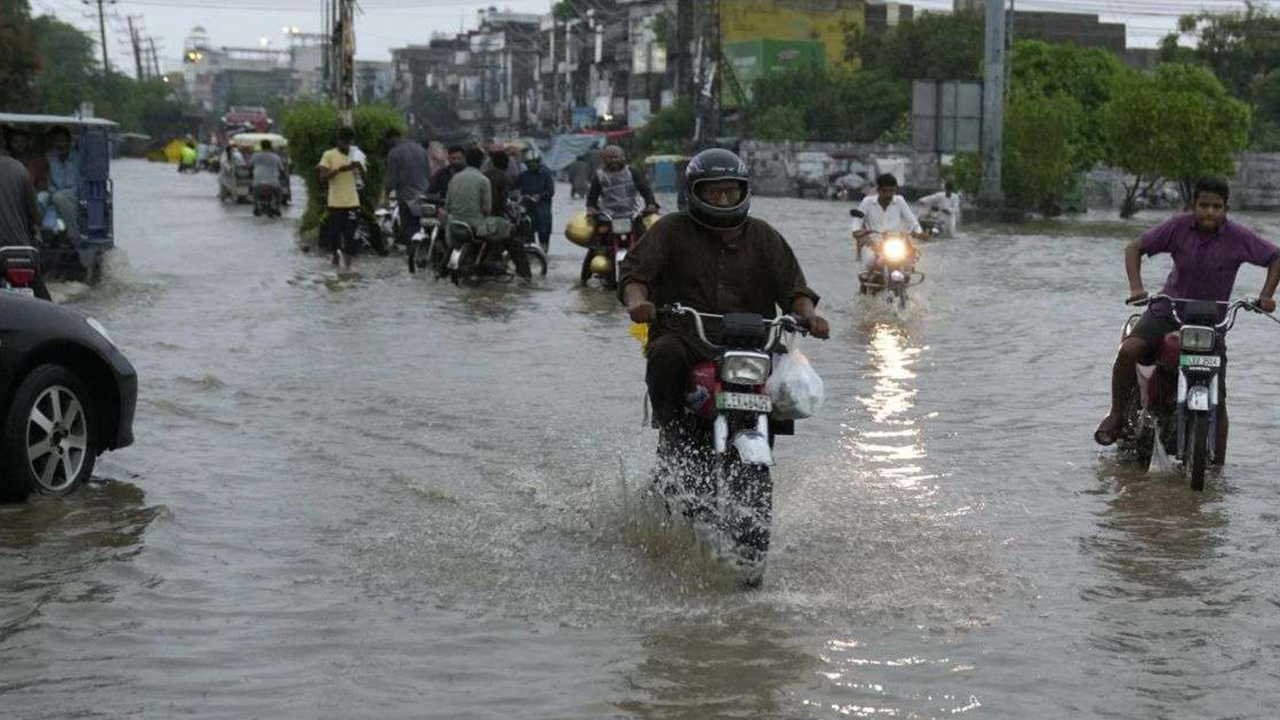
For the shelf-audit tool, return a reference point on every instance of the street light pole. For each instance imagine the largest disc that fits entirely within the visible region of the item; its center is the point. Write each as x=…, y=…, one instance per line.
x=347, y=96
x=991, y=193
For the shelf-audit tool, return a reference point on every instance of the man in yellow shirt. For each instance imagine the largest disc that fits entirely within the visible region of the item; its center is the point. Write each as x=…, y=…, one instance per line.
x=336, y=168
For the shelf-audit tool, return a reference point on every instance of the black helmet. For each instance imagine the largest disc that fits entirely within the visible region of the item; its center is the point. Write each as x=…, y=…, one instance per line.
x=716, y=165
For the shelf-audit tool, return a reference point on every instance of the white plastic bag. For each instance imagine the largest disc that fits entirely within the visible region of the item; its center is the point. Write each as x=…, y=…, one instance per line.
x=794, y=386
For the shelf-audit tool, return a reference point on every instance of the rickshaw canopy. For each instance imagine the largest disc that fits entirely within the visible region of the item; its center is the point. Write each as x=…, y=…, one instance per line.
x=253, y=141
x=68, y=120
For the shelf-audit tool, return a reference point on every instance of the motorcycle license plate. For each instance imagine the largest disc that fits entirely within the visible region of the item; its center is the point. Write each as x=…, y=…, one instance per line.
x=744, y=401
x=20, y=291
x=1204, y=361
x=621, y=227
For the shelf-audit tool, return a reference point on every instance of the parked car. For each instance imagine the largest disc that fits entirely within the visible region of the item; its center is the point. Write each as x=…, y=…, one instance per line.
x=67, y=395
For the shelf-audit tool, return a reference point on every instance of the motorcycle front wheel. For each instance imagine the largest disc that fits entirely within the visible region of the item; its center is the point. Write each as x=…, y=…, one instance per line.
x=1199, y=437
x=537, y=259
x=747, y=515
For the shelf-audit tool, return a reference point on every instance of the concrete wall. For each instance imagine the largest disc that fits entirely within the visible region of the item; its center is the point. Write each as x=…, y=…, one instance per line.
x=1255, y=185
x=773, y=164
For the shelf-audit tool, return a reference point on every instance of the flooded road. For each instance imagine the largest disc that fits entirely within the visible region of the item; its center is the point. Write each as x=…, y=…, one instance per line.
x=391, y=498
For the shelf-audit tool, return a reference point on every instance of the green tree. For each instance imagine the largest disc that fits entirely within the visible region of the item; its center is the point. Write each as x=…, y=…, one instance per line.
x=670, y=131
x=779, y=123
x=18, y=60
x=1178, y=124
x=1039, y=162
x=1240, y=47
x=68, y=73
x=836, y=105
x=938, y=46
x=1086, y=75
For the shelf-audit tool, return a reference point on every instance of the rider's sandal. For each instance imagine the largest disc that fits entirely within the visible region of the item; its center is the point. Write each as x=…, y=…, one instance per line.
x=1108, y=431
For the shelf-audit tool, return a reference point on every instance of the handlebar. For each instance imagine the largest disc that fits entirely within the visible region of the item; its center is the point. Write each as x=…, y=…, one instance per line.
x=782, y=323
x=1232, y=308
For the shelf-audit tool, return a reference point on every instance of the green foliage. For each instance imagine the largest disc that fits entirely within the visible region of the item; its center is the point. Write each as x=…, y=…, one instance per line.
x=836, y=105
x=1086, y=75
x=312, y=128
x=18, y=60
x=966, y=171
x=1179, y=124
x=1039, y=165
x=779, y=123
x=670, y=131
x=938, y=46
x=1238, y=46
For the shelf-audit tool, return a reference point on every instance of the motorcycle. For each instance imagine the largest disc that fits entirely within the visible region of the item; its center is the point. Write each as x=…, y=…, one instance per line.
x=725, y=485
x=20, y=271
x=469, y=262
x=613, y=240
x=1176, y=400
x=895, y=270
x=266, y=201
x=426, y=247
x=934, y=223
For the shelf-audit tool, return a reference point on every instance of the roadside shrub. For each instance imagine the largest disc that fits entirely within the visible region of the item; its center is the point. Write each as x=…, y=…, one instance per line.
x=312, y=128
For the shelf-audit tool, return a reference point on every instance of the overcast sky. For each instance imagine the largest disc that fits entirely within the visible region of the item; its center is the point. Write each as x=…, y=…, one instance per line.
x=385, y=24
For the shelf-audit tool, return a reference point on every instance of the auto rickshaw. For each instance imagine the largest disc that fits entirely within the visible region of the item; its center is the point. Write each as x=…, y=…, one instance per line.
x=62, y=254
x=235, y=174
x=665, y=171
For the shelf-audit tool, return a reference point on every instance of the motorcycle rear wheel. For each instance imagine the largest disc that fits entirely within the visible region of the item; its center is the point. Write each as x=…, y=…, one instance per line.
x=1139, y=442
x=1199, y=436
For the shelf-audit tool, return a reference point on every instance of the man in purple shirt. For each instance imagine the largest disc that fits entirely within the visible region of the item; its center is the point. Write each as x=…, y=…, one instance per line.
x=1208, y=250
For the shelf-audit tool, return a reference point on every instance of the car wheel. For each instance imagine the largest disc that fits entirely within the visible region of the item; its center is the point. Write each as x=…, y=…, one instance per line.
x=49, y=435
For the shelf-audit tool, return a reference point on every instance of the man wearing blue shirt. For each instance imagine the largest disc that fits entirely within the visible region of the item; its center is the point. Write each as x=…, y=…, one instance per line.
x=64, y=179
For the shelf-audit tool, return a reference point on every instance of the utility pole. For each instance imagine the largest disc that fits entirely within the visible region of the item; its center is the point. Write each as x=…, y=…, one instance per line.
x=137, y=50
x=991, y=193
x=155, y=57
x=102, y=30
x=346, y=98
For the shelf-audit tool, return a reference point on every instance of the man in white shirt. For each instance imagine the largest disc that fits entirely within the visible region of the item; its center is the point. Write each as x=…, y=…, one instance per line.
x=943, y=206
x=884, y=212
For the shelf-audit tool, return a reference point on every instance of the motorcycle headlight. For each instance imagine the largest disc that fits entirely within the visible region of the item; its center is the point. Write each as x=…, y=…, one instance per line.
x=895, y=250
x=745, y=368
x=1197, y=339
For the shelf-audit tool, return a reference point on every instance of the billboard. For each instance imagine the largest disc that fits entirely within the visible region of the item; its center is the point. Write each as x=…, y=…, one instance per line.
x=822, y=21
x=753, y=59
x=946, y=116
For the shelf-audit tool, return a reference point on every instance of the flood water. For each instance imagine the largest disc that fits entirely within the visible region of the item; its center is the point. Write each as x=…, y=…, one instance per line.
x=387, y=497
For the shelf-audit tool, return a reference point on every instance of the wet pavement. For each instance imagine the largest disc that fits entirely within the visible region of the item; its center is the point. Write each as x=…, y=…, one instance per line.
x=386, y=497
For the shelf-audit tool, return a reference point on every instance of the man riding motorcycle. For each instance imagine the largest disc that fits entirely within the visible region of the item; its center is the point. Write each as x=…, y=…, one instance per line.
x=267, y=171
x=943, y=208
x=1208, y=250
x=457, y=163
x=469, y=200
x=884, y=212
x=616, y=186
x=715, y=259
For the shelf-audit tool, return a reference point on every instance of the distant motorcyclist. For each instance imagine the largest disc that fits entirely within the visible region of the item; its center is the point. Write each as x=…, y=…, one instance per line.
x=1208, y=250
x=539, y=185
x=715, y=259
x=884, y=212
x=408, y=176
x=617, y=187
x=268, y=170
x=470, y=199
x=188, y=156
x=944, y=207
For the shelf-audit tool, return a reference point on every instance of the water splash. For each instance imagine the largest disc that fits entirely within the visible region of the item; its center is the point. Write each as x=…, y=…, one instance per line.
x=1160, y=460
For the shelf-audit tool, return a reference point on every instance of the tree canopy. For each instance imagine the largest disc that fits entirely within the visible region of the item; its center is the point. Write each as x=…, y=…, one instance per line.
x=1178, y=124
x=939, y=46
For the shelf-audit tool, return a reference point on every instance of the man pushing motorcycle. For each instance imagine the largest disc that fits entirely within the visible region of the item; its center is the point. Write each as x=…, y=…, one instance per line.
x=1208, y=250
x=713, y=258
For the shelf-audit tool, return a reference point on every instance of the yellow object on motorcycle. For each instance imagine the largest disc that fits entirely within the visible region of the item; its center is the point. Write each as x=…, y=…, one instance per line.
x=579, y=230
x=640, y=331
x=650, y=220
x=601, y=265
